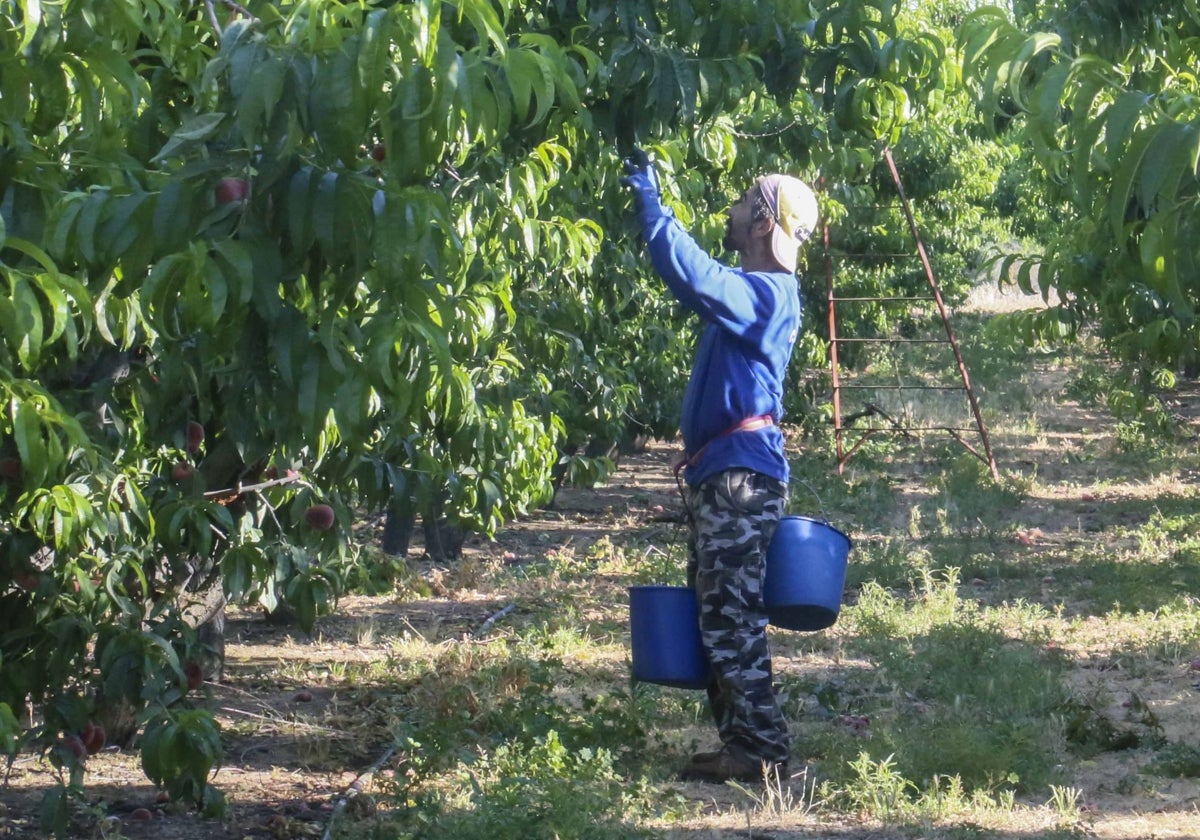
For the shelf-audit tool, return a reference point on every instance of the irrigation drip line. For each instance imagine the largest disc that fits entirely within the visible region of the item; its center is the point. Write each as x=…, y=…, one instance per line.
x=494, y=618
x=355, y=789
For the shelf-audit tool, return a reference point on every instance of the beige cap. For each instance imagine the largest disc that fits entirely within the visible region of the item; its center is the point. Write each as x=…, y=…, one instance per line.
x=794, y=207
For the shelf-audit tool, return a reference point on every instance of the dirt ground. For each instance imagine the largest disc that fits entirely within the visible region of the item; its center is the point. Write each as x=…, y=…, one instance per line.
x=266, y=706
x=280, y=717
x=271, y=743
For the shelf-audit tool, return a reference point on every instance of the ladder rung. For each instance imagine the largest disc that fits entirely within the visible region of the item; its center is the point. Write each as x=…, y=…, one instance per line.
x=882, y=299
x=974, y=429
x=890, y=340
x=899, y=388
x=846, y=255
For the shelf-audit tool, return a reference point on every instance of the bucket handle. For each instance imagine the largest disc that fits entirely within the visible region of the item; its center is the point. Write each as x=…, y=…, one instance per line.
x=820, y=504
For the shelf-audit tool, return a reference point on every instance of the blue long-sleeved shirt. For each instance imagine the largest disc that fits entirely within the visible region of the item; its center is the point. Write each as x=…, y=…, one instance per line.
x=751, y=323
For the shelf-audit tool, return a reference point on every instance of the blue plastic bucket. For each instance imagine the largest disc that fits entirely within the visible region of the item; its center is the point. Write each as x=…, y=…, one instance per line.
x=664, y=633
x=806, y=572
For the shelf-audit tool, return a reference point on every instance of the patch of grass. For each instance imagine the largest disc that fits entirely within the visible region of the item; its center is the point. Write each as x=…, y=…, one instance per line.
x=977, y=704
x=1175, y=760
x=1170, y=634
x=890, y=562
x=864, y=494
x=533, y=788
x=1112, y=583
x=970, y=499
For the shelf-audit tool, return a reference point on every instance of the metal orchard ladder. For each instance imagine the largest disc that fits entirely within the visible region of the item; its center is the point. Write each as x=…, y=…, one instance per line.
x=843, y=432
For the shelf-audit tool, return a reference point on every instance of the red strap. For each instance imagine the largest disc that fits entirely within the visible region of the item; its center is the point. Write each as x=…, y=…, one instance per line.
x=750, y=424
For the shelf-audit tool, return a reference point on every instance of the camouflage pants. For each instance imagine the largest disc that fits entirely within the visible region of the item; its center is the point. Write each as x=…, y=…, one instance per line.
x=734, y=514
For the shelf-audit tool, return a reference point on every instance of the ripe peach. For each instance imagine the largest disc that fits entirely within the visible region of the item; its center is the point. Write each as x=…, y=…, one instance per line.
x=319, y=517
x=194, y=675
x=195, y=436
x=182, y=471
x=229, y=190
x=142, y=814
x=74, y=746
x=94, y=738
x=379, y=152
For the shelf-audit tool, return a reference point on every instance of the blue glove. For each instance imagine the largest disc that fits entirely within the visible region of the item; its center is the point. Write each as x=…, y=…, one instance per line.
x=642, y=180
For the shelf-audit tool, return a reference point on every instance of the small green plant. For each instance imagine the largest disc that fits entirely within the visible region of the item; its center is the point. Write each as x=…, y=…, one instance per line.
x=1175, y=760
x=179, y=752
x=537, y=788
x=1065, y=802
x=878, y=789
x=777, y=799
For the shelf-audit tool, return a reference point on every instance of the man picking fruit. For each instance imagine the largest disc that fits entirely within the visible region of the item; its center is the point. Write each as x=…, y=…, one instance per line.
x=735, y=469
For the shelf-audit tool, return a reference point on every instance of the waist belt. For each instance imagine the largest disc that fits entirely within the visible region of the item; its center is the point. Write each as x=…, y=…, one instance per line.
x=750, y=424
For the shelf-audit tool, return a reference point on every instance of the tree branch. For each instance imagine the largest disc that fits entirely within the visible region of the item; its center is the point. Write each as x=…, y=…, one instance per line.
x=228, y=4
x=242, y=489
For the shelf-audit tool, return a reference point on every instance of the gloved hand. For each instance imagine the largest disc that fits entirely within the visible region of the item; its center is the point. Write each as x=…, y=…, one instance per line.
x=642, y=180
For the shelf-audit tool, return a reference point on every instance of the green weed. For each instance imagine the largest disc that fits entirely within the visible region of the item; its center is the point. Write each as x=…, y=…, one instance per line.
x=531, y=788
x=1175, y=760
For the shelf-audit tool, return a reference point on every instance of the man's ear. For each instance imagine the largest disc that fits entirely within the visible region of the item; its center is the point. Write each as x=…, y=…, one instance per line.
x=763, y=226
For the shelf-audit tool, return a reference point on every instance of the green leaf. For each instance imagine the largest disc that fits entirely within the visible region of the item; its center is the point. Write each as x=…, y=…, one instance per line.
x=237, y=572
x=27, y=433
x=1121, y=119
x=28, y=337
x=195, y=129
x=482, y=15
x=1125, y=179
x=1034, y=45
x=32, y=13
x=238, y=268
x=324, y=211
x=170, y=221
x=301, y=197
x=55, y=811
x=258, y=101
x=1168, y=158
x=521, y=69
x=59, y=310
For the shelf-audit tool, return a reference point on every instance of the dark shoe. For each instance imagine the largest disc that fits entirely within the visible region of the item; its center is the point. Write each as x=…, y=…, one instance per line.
x=727, y=765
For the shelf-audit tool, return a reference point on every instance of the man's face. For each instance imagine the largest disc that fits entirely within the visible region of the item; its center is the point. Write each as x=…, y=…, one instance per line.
x=741, y=218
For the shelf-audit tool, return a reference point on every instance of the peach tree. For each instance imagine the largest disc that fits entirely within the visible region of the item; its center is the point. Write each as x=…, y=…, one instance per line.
x=270, y=267
x=1105, y=95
